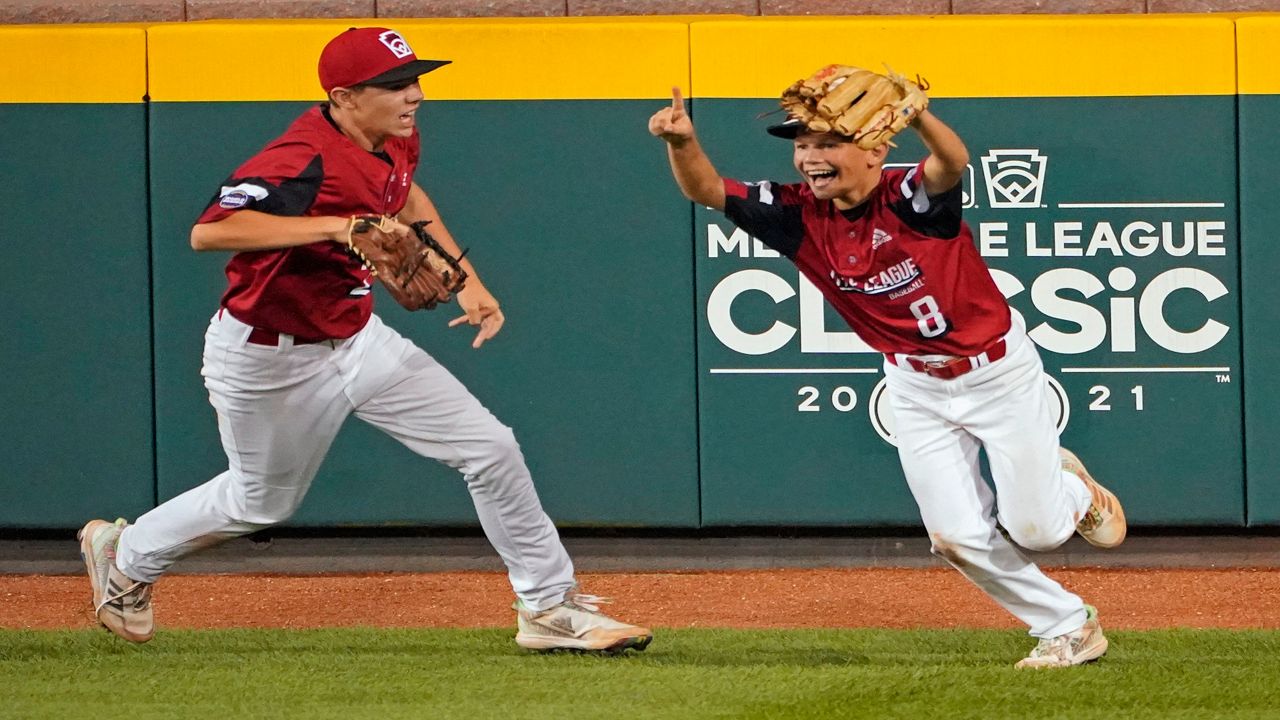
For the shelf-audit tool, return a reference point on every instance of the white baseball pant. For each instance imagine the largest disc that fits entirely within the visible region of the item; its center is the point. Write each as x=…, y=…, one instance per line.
x=1003, y=408
x=279, y=409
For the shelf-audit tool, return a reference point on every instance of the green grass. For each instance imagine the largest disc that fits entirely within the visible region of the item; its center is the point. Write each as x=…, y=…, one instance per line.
x=474, y=674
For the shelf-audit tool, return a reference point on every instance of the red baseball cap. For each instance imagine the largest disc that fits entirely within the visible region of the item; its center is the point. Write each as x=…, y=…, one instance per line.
x=370, y=56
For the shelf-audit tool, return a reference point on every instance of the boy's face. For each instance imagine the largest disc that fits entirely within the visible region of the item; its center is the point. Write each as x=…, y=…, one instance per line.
x=383, y=112
x=834, y=167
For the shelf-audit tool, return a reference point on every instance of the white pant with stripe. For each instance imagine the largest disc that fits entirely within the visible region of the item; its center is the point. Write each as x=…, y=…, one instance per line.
x=279, y=409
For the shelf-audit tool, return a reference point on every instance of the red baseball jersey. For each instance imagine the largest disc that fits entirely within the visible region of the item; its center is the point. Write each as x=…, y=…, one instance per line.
x=315, y=291
x=901, y=268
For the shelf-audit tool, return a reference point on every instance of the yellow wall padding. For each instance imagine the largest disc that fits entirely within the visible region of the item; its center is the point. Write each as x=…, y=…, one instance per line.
x=1257, y=39
x=974, y=56
x=73, y=64
x=641, y=58
x=492, y=59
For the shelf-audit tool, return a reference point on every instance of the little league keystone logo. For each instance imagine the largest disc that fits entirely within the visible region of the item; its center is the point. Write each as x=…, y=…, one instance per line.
x=396, y=44
x=1015, y=178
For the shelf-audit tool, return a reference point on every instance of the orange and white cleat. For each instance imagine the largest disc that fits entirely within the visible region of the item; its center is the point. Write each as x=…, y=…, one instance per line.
x=1074, y=648
x=577, y=624
x=122, y=604
x=1103, y=524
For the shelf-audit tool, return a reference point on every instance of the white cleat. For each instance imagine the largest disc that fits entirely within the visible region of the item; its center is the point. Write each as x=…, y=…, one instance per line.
x=1074, y=648
x=577, y=624
x=122, y=604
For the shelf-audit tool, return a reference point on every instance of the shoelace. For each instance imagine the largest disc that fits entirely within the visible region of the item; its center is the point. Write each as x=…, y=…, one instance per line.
x=144, y=597
x=141, y=602
x=590, y=603
x=1061, y=646
x=1092, y=519
x=1051, y=646
x=141, y=589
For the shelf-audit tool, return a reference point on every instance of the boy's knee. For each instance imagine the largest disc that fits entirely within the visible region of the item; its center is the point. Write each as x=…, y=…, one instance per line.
x=498, y=451
x=1033, y=537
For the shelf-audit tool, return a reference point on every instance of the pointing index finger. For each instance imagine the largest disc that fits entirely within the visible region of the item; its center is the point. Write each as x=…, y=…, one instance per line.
x=677, y=100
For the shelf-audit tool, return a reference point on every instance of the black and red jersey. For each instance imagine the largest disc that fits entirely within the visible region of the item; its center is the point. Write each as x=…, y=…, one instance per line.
x=901, y=268
x=319, y=290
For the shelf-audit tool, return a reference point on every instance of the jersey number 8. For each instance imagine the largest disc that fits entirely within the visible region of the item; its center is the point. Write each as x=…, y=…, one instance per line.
x=929, y=317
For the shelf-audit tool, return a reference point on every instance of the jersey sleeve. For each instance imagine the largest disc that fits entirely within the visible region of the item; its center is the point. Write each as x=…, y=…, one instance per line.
x=768, y=211
x=283, y=179
x=936, y=216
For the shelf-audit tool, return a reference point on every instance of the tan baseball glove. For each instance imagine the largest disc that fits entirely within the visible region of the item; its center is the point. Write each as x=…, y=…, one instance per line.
x=869, y=107
x=414, y=268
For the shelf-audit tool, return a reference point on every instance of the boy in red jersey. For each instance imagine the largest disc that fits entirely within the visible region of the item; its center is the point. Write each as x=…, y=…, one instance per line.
x=295, y=348
x=890, y=253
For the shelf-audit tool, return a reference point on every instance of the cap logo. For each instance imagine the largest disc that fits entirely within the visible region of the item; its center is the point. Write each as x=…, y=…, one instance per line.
x=396, y=44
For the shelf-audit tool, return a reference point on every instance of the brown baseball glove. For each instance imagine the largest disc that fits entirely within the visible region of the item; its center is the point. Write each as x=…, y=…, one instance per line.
x=869, y=107
x=414, y=268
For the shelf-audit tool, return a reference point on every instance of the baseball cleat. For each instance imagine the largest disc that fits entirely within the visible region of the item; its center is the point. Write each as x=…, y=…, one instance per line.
x=1074, y=648
x=122, y=604
x=1103, y=524
x=577, y=624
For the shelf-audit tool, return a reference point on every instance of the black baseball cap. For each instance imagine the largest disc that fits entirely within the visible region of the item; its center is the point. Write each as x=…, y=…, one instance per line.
x=791, y=128
x=787, y=130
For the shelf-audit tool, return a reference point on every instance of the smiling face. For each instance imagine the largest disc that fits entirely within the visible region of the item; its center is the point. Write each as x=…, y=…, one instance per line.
x=836, y=169
x=370, y=114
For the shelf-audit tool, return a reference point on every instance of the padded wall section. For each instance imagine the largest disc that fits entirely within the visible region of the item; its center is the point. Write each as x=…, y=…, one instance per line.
x=1260, y=255
x=551, y=180
x=75, y=363
x=1106, y=219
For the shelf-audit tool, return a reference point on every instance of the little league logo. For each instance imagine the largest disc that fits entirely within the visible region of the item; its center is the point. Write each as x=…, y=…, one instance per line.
x=238, y=196
x=1015, y=178
x=396, y=44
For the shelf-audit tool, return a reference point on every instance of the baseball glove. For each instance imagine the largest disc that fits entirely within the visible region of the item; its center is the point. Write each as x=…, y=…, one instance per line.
x=414, y=268
x=869, y=107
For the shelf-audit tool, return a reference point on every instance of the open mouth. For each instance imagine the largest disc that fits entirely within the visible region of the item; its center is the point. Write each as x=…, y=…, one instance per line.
x=820, y=178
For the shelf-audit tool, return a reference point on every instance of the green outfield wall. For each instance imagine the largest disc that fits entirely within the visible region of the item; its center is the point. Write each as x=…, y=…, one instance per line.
x=553, y=192
x=659, y=367
x=75, y=361
x=1107, y=220
x=1259, y=114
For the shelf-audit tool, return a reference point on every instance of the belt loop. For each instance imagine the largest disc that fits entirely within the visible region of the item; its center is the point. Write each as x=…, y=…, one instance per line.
x=243, y=330
x=284, y=342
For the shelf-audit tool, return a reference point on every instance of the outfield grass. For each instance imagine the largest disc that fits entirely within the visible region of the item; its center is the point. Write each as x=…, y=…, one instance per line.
x=390, y=674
